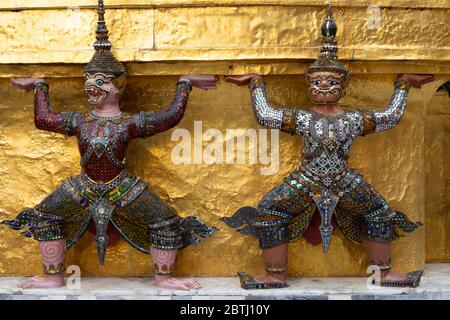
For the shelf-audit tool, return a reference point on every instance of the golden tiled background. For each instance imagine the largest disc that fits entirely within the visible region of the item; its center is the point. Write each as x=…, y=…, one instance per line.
x=407, y=165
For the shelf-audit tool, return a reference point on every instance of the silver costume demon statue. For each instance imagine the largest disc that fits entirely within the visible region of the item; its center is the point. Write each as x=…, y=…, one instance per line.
x=105, y=193
x=323, y=182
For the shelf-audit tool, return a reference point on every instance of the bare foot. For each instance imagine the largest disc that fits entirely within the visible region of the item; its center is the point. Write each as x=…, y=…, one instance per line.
x=268, y=279
x=54, y=281
x=178, y=284
x=391, y=276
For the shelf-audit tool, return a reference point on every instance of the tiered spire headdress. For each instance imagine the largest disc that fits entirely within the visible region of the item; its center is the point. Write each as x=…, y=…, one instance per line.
x=328, y=58
x=103, y=60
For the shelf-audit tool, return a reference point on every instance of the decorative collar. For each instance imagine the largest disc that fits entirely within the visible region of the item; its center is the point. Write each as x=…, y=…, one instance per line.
x=110, y=118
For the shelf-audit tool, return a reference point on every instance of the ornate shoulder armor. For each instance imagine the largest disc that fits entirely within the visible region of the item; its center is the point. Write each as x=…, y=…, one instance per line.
x=368, y=122
x=71, y=122
x=289, y=121
x=303, y=121
x=139, y=119
x=362, y=122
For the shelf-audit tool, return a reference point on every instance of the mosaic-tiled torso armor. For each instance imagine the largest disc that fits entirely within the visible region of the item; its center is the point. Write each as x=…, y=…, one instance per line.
x=105, y=191
x=323, y=179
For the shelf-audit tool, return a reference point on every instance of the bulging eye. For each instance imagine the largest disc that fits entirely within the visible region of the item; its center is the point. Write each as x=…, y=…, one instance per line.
x=99, y=82
x=316, y=82
x=332, y=82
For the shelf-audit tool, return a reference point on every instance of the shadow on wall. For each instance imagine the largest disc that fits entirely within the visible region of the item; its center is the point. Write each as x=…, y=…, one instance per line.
x=445, y=88
x=437, y=176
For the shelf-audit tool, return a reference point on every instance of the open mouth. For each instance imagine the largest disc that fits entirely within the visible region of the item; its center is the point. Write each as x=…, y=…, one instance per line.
x=95, y=94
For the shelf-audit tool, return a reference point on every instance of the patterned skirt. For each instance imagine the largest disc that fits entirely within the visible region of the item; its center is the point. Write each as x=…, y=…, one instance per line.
x=285, y=213
x=138, y=214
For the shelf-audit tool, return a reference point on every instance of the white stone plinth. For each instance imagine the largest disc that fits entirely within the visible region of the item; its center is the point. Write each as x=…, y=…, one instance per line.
x=435, y=285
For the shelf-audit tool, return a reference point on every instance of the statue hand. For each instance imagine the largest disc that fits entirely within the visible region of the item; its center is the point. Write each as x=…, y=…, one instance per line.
x=202, y=82
x=26, y=83
x=242, y=80
x=417, y=80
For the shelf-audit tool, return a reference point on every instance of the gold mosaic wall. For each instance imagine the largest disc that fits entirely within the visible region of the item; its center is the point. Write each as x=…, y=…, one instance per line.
x=265, y=30
x=437, y=178
x=234, y=37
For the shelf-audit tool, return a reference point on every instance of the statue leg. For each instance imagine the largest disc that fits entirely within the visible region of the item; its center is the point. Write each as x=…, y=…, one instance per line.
x=275, y=263
x=166, y=239
x=364, y=216
x=56, y=221
x=163, y=264
x=149, y=222
x=379, y=253
x=52, y=253
x=277, y=211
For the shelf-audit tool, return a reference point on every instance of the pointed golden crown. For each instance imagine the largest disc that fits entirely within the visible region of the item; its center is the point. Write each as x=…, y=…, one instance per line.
x=328, y=58
x=103, y=60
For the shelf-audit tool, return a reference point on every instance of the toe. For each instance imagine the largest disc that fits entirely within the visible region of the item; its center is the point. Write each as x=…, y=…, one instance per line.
x=21, y=283
x=191, y=285
x=185, y=287
x=197, y=284
x=171, y=280
x=28, y=285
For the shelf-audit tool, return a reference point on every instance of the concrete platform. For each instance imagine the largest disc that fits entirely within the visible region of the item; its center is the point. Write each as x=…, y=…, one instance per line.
x=435, y=285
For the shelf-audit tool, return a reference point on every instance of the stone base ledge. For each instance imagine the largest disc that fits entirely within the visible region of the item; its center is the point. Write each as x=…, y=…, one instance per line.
x=435, y=285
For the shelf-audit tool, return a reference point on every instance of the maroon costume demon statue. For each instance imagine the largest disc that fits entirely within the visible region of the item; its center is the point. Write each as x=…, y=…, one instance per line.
x=105, y=193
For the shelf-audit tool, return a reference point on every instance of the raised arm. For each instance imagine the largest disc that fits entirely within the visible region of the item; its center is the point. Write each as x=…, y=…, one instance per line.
x=156, y=122
x=44, y=117
x=390, y=116
x=284, y=119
